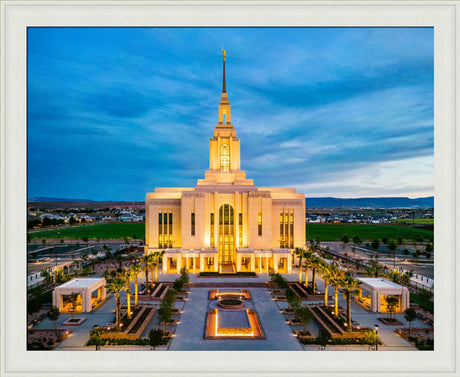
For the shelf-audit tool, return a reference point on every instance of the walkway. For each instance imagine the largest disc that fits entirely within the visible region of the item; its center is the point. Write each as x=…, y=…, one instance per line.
x=189, y=333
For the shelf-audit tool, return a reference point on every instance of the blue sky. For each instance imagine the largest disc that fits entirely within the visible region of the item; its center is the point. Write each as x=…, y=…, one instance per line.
x=343, y=112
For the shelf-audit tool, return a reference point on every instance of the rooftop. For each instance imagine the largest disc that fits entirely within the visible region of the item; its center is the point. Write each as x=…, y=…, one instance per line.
x=379, y=283
x=81, y=283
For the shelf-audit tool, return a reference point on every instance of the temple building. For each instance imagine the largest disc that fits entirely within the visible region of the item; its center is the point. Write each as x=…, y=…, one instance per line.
x=225, y=223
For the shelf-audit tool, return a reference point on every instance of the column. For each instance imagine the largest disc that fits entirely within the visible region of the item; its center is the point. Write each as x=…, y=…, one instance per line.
x=103, y=293
x=165, y=264
x=260, y=264
x=216, y=263
x=194, y=263
x=86, y=301
x=201, y=262
x=238, y=262
x=187, y=263
x=179, y=262
x=275, y=262
x=266, y=263
x=289, y=263
x=253, y=263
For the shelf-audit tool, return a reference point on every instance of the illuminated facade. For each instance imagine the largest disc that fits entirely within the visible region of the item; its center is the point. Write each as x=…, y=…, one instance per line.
x=225, y=223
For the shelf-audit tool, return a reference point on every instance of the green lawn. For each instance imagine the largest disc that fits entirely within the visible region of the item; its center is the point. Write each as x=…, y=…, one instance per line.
x=417, y=221
x=94, y=231
x=326, y=232
x=367, y=232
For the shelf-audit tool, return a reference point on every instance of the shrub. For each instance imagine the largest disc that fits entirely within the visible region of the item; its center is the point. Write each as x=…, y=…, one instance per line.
x=155, y=337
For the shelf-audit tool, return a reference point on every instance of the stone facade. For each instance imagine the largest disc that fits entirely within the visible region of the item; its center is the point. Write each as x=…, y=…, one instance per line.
x=225, y=223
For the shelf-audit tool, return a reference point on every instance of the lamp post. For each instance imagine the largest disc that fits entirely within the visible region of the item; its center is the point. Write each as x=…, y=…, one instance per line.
x=376, y=328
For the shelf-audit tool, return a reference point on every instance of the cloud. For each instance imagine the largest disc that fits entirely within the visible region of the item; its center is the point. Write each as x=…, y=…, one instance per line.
x=120, y=111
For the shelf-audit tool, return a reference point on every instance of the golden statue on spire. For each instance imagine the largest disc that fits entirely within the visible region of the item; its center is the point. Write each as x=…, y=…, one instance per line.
x=223, y=52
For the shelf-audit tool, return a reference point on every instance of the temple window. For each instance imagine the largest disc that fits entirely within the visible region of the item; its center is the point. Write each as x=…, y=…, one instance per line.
x=224, y=158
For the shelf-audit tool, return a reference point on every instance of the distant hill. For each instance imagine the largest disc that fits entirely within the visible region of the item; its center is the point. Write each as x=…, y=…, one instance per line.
x=397, y=202
x=44, y=199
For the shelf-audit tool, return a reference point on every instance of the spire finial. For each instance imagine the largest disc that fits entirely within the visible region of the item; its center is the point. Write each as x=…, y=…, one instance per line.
x=224, y=87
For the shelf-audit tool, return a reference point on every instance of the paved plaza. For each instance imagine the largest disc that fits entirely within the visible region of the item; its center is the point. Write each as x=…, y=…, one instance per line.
x=189, y=333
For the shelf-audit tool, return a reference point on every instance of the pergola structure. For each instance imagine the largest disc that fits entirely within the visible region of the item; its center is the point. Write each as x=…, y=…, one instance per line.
x=378, y=287
x=82, y=286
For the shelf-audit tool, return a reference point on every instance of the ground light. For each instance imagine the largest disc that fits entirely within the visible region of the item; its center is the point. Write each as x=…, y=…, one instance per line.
x=376, y=328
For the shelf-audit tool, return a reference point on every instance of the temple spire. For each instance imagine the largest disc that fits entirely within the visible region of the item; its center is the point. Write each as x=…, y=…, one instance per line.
x=224, y=86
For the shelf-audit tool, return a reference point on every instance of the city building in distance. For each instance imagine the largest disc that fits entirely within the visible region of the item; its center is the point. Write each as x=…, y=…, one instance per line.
x=225, y=223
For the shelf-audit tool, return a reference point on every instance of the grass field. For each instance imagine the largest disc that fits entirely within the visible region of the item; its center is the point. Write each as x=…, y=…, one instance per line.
x=326, y=232
x=94, y=231
x=416, y=221
x=367, y=232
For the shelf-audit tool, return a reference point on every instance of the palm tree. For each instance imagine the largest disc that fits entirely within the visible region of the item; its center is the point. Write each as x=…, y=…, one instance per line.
x=315, y=262
x=335, y=276
x=299, y=252
x=46, y=274
x=308, y=255
x=117, y=285
x=351, y=287
x=136, y=269
x=127, y=275
x=325, y=270
x=146, y=263
x=157, y=254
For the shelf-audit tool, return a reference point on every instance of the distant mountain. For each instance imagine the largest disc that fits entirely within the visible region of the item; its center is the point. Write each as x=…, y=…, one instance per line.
x=44, y=199
x=397, y=202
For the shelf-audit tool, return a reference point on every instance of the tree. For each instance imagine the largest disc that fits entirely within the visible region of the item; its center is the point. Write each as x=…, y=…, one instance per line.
x=157, y=255
x=46, y=274
x=304, y=315
x=350, y=287
x=73, y=303
x=308, y=255
x=335, y=279
x=53, y=315
x=84, y=256
x=410, y=316
x=136, y=270
x=323, y=338
x=95, y=337
x=356, y=240
x=392, y=246
x=292, y=299
x=117, y=285
x=299, y=252
x=165, y=314
x=127, y=275
x=391, y=301
x=405, y=278
x=72, y=220
x=146, y=260
x=155, y=337
x=93, y=251
x=315, y=262
x=85, y=239
x=375, y=244
x=325, y=270
x=345, y=240
x=371, y=337
x=384, y=240
x=429, y=247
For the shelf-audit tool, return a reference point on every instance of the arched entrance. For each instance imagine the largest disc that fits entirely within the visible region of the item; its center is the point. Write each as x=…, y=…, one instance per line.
x=226, y=235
